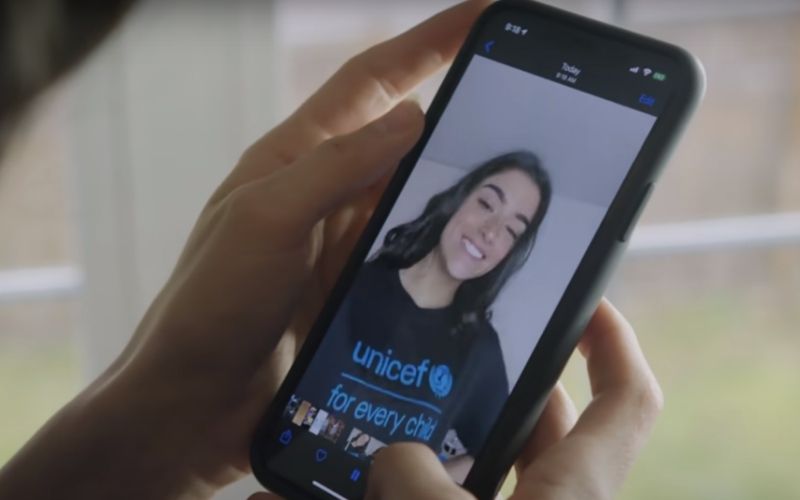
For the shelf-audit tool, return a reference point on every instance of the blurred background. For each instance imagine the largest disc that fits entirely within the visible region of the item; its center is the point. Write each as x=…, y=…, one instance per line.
x=100, y=189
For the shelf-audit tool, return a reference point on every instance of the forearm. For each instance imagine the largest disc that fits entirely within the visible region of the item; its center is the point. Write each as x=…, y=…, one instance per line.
x=95, y=448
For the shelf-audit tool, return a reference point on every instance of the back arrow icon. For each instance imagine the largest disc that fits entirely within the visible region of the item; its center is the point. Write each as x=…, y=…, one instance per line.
x=488, y=46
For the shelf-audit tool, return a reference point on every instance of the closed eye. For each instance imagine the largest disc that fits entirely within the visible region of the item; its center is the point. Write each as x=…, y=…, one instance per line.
x=513, y=233
x=485, y=204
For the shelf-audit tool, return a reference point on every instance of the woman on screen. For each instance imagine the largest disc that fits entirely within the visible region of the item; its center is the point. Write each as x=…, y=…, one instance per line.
x=412, y=353
x=471, y=238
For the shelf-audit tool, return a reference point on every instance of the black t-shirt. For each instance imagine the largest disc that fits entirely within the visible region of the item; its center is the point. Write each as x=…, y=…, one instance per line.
x=403, y=373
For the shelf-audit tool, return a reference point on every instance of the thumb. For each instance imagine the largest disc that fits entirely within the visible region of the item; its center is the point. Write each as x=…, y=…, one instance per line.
x=411, y=470
x=343, y=166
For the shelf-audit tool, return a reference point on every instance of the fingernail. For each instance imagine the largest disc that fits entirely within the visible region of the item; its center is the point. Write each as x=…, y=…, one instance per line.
x=402, y=118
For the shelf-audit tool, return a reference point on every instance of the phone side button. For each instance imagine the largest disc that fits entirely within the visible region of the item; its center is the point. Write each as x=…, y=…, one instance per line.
x=635, y=212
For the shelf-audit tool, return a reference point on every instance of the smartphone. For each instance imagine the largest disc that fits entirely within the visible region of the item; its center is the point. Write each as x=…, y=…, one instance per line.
x=485, y=258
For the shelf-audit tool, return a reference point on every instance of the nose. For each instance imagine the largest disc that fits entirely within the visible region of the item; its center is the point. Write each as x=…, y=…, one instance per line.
x=489, y=230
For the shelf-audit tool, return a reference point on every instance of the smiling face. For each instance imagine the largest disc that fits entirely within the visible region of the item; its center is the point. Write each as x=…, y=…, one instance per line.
x=484, y=229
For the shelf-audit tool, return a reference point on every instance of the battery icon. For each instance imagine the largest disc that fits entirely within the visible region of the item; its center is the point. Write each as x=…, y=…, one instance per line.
x=659, y=76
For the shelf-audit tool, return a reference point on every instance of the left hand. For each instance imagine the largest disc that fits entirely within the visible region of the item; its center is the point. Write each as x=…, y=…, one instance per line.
x=174, y=414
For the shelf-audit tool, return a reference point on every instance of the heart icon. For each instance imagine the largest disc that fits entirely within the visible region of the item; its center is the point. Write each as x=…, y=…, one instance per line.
x=321, y=455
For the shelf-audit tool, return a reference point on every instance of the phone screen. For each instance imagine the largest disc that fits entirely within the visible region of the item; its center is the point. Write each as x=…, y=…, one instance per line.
x=475, y=254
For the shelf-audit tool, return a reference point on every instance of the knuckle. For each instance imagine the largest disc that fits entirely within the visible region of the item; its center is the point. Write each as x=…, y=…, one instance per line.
x=336, y=149
x=355, y=61
x=353, y=67
x=264, y=219
x=369, y=68
x=241, y=206
x=656, y=395
x=386, y=88
x=247, y=210
x=649, y=398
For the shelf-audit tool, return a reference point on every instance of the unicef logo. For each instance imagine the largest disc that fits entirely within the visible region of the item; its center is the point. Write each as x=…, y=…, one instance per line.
x=441, y=380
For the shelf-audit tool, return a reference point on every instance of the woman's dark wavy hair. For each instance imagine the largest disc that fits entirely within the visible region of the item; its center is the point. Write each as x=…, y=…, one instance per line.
x=408, y=243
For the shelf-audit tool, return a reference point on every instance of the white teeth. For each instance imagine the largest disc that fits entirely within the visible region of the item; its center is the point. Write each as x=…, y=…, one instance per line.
x=472, y=250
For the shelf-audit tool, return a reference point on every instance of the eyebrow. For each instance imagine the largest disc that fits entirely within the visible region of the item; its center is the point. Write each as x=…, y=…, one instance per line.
x=502, y=195
x=499, y=192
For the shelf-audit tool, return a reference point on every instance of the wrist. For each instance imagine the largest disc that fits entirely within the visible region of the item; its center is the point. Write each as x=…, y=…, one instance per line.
x=108, y=442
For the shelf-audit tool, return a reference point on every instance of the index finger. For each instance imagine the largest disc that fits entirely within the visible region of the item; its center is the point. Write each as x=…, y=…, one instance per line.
x=625, y=392
x=594, y=458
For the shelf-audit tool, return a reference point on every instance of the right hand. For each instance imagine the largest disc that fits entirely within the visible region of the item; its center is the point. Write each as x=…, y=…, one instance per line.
x=566, y=457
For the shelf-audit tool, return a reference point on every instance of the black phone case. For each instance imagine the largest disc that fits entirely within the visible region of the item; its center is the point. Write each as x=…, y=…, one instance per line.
x=576, y=306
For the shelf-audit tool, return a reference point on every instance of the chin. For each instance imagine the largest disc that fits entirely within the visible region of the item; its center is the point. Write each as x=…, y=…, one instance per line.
x=463, y=273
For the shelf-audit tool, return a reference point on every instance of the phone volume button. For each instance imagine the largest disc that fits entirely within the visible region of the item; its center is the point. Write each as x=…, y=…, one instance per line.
x=635, y=211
